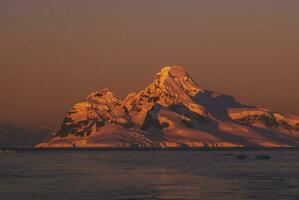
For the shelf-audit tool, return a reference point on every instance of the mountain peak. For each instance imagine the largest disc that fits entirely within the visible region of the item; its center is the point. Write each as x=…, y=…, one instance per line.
x=176, y=78
x=106, y=90
x=175, y=71
x=172, y=86
x=105, y=94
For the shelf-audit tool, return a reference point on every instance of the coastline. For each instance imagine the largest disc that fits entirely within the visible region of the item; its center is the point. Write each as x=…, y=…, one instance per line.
x=34, y=149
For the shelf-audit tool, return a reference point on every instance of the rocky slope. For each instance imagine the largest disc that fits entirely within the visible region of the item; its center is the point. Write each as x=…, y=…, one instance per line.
x=173, y=111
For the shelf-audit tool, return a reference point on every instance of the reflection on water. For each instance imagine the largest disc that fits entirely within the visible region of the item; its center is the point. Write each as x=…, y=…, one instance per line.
x=149, y=175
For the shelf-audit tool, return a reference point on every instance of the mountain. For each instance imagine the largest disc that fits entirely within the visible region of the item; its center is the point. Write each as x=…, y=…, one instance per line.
x=14, y=136
x=99, y=121
x=173, y=111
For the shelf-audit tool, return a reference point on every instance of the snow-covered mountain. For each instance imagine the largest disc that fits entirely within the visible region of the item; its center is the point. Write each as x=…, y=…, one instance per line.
x=173, y=111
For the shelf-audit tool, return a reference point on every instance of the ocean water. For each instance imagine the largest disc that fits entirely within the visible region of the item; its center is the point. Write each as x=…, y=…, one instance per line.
x=132, y=175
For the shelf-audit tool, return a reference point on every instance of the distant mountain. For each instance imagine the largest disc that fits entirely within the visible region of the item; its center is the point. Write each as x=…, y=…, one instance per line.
x=13, y=136
x=173, y=111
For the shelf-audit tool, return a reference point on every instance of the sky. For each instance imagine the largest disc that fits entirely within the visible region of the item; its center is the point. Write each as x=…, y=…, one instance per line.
x=54, y=53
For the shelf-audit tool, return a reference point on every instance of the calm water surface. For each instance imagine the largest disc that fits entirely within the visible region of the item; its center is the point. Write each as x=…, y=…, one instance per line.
x=132, y=175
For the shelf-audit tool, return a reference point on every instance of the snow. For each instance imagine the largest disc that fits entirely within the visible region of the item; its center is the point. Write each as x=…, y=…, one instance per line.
x=173, y=111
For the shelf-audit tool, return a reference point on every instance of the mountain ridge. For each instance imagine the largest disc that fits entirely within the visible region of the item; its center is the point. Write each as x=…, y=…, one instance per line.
x=172, y=111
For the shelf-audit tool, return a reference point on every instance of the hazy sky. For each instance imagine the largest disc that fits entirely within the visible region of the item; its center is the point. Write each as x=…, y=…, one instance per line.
x=53, y=53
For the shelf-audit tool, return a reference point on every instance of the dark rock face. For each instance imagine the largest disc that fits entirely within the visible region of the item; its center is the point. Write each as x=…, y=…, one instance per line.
x=173, y=111
x=151, y=119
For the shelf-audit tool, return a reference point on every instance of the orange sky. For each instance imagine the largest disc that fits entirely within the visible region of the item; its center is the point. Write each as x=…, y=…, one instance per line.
x=54, y=53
